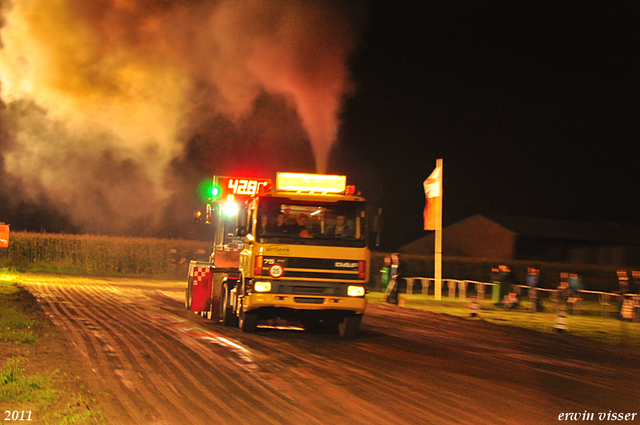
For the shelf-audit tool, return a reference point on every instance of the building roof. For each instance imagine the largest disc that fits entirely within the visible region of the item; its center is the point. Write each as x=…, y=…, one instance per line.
x=611, y=233
x=546, y=228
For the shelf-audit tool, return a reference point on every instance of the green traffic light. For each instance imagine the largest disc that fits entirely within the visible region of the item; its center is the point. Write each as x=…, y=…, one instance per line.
x=206, y=190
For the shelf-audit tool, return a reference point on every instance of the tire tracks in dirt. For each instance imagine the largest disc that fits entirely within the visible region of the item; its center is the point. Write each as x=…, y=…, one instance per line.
x=96, y=360
x=162, y=365
x=135, y=326
x=158, y=372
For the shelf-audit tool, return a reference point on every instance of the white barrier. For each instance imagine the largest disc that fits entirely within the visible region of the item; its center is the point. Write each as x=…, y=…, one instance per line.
x=462, y=288
x=425, y=282
x=452, y=287
x=453, y=284
x=605, y=298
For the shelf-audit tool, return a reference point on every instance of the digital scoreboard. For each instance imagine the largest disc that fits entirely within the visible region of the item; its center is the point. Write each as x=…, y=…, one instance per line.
x=224, y=186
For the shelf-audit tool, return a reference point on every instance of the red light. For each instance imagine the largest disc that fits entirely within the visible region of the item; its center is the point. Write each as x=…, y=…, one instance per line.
x=362, y=269
x=350, y=190
x=257, y=270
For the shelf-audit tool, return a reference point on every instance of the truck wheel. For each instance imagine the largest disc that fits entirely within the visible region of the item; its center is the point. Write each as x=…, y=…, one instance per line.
x=227, y=316
x=188, y=295
x=248, y=322
x=349, y=327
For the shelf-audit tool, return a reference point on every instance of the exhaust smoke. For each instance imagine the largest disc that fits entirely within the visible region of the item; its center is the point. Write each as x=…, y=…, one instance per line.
x=102, y=96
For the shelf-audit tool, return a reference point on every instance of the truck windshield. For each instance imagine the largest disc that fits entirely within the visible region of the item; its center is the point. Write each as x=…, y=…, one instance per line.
x=282, y=220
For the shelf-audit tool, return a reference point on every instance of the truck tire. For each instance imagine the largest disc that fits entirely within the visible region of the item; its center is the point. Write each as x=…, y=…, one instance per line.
x=248, y=322
x=349, y=327
x=227, y=315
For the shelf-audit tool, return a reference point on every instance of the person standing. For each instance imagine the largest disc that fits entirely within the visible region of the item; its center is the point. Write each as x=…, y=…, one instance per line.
x=504, y=277
x=385, y=273
x=623, y=281
x=563, y=292
x=533, y=275
x=494, y=277
x=634, y=286
x=397, y=273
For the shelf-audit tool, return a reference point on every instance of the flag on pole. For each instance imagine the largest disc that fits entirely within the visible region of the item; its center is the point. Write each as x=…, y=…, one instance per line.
x=432, y=191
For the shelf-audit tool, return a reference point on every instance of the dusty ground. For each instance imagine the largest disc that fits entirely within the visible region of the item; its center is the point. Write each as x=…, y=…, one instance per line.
x=148, y=361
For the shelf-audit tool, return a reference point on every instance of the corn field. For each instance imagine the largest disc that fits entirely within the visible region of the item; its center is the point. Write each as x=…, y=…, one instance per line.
x=100, y=254
x=110, y=255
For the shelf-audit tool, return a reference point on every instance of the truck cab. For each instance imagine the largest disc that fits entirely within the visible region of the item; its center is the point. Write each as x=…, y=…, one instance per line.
x=298, y=252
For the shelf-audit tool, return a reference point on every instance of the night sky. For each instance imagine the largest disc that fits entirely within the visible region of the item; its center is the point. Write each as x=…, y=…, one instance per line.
x=533, y=107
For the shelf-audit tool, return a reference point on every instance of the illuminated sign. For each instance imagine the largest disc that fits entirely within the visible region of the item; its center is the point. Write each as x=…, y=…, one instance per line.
x=4, y=236
x=238, y=186
x=311, y=182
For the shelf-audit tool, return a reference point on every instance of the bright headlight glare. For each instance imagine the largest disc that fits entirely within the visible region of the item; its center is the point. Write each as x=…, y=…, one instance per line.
x=355, y=291
x=261, y=286
x=230, y=209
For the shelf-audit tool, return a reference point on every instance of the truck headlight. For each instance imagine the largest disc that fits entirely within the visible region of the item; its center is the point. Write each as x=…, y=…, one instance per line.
x=355, y=291
x=262, y=286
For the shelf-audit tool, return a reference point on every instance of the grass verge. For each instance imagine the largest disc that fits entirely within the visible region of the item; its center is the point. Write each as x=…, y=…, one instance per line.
x=36, y=382
x=592, y=321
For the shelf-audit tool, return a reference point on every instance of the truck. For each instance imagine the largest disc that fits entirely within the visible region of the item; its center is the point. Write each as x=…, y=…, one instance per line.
x=295, y=252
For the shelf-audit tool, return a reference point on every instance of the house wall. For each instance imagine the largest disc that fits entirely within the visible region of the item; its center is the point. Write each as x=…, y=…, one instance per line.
x=480, y=237
x=473, y=237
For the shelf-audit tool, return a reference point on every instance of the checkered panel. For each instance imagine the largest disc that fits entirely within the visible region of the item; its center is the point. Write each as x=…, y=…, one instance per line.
x=200, y=274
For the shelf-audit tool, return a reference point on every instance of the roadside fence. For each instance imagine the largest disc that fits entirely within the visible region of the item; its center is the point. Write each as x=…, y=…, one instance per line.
x=628, y=305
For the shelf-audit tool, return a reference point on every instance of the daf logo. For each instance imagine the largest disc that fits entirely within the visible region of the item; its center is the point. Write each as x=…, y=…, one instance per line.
x=342, y=265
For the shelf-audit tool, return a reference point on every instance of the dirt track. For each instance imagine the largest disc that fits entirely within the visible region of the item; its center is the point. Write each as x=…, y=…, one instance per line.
x=152, y=362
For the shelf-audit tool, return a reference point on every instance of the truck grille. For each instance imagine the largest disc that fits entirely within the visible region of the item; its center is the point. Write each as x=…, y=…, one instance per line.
x=306, y=300
x=314, y=268
x=310, y=290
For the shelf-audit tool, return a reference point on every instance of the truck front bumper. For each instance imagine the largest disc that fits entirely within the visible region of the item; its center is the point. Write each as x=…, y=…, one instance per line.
x=254, y=301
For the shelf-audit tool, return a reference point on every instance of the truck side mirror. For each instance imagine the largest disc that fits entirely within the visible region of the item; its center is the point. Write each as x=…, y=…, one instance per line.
x=197, y=216
x=209, y=216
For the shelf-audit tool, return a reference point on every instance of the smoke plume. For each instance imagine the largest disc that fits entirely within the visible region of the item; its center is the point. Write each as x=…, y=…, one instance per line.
x=107, y=98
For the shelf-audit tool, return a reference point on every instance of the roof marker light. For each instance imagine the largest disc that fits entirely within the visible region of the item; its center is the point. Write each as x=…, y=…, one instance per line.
x=298, y=182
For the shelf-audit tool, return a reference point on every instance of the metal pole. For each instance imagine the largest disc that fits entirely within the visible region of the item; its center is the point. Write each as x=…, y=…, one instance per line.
x=438, y=239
